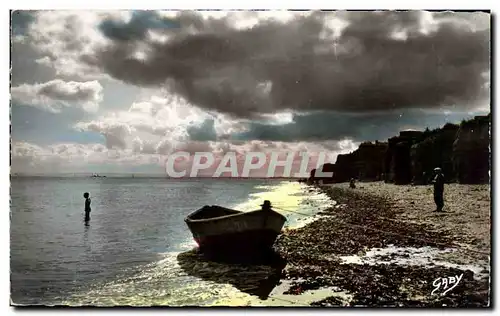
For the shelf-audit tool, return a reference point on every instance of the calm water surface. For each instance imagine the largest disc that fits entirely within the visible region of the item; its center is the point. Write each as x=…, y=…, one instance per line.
x=128, y=253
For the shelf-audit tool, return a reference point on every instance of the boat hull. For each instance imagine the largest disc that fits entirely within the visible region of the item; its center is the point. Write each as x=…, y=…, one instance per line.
x=242, y=245
x=237, y=235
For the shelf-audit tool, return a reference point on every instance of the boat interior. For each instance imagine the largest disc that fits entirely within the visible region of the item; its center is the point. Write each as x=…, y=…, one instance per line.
x=212, y=211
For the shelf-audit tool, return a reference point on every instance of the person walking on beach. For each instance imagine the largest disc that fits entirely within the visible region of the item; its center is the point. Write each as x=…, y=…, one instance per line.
x=86, y=195
x=352, y=185
x=438, y=182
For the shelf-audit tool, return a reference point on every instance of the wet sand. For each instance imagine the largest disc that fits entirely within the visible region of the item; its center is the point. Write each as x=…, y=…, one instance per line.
x=382, y=245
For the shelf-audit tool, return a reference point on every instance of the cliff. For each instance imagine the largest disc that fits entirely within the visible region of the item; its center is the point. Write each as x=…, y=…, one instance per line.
x=364, y=163
x=435, y=150
x=471, y=151
x=461, y=151
x=327, y=167
x=398, y=157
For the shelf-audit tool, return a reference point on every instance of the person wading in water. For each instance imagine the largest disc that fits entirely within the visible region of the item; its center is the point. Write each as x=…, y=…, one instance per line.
x=438, y=182
x=87, y=206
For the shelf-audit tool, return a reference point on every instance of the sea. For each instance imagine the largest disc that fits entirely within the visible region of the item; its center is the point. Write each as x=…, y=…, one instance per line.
x=136, y=250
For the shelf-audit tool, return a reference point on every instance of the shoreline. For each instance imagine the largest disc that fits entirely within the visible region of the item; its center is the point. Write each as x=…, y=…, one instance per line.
x=383, y=246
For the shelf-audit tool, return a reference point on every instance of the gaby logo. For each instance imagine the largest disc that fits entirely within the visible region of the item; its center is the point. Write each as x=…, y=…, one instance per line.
x=183, y=164
x=446, y=284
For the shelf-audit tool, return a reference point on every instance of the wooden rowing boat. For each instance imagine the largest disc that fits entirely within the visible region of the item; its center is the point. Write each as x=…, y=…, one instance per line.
x=220, y=230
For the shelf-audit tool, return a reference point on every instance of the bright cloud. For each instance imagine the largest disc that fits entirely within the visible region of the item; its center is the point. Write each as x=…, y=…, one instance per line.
x=53, y=95
x=157, y=122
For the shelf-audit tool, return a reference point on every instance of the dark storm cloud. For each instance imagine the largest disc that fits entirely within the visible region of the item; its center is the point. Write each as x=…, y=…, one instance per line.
x=24, y=68
x=278, y=66
x=334, y=126
x=20, y=20
x=137, y=27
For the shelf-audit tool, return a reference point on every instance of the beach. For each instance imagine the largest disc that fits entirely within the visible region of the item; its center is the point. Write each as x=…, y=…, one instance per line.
x=382, y=245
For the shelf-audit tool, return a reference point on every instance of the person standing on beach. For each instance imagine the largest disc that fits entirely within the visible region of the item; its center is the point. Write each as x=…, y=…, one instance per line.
x=438, y=182
x=86, y=195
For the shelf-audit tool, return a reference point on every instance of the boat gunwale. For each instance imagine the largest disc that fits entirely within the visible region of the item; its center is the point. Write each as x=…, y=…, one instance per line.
x=204, y=220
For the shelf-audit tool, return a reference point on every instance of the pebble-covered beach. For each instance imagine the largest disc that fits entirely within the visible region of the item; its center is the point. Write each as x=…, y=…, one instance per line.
x=382, y=245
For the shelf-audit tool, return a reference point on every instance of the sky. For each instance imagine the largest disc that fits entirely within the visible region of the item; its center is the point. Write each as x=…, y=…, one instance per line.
x=120, y=91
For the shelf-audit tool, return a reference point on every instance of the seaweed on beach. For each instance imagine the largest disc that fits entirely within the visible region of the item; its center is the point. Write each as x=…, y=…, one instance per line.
x=366, y=222
x=360, y=222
